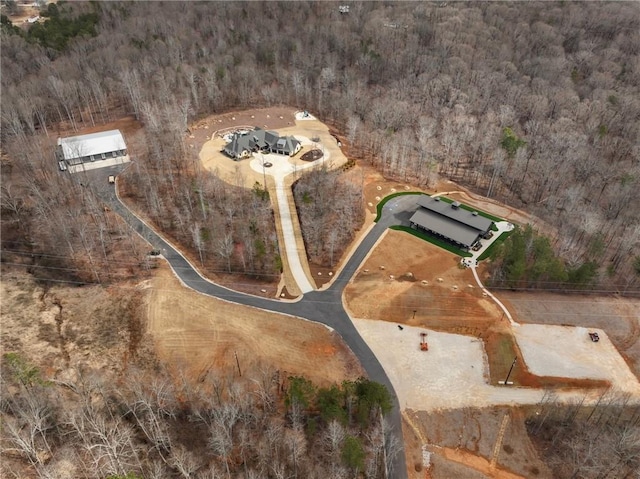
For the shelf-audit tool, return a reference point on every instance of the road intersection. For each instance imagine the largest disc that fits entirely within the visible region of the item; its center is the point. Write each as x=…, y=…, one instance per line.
x=321, y=306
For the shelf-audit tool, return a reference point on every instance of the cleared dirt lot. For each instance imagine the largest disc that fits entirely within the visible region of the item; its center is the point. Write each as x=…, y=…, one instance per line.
x=404, y=274
x=463, y=442
x=453, y=373
x=565, y=351
x=197, y=333
x=618, y=316
x=446, y=389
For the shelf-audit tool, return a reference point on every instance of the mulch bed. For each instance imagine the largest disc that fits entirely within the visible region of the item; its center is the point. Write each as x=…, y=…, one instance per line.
x=312, y=155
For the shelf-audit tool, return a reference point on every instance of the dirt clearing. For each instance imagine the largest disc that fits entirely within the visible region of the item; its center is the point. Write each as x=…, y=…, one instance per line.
x=452, y=374
x=463, y=443
x=62, y=327
x=407, y=280
x=619, y=317
x=206, y=138
x=198, y=333
x=568, y=352
x=409, y=283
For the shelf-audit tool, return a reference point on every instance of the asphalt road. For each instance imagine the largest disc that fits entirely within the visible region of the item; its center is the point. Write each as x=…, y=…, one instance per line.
x=321, y=306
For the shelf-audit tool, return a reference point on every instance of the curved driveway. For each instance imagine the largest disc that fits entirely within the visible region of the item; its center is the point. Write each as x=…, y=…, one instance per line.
x=321, y=306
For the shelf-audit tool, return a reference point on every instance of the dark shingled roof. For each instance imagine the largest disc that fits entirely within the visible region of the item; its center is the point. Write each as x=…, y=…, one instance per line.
x=458, y=214
x=259, y=139
x=456, y=224
x=457, y=232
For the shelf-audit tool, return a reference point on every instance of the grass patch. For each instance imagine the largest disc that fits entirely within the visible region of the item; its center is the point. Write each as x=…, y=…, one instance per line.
x=501, y=350
x=471, y=209
x=433, y=240
x=486, y=253
x=384, y=200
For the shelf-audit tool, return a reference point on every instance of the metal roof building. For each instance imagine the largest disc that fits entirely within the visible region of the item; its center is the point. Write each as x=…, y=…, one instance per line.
x=449, y=221
x=92, y=147
x=88, y=152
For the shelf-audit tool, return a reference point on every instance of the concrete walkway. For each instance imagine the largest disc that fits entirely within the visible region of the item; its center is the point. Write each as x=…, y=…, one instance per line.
x=493, y=297
x=289, y=236
x=503, y=227
x=279, y=169
x=472, y=262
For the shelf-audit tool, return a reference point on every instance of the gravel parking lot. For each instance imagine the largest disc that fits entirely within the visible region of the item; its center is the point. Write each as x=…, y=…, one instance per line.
x=452, y=373
x=568, y=352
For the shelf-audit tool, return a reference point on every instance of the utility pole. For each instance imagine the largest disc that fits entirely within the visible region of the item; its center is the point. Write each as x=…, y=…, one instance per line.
x=506, y=381
x=238, y=363
x=264, y=174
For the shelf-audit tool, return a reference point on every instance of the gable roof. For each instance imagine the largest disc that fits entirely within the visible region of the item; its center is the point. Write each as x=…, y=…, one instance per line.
x=237, y=145
x=270, y=137
x=462, y=216
x=92, y=144
x=443, y=226
x=259, y=139
x=291, y=143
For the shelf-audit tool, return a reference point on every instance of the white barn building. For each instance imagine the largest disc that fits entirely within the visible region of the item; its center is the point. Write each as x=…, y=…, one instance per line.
x=95, y=150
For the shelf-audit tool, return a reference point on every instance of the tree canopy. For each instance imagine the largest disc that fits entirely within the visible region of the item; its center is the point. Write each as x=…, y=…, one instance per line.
x=527, y=260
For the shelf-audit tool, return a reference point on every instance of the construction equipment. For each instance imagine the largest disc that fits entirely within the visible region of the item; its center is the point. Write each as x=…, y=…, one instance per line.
x=424, y=346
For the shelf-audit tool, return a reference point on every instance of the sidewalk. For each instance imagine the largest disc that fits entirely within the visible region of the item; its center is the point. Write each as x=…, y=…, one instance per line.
x=289, y=236
x=472, y=262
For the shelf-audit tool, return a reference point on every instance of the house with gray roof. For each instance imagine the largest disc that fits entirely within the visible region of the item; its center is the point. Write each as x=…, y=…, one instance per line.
x=450, y=222
x=244, y=143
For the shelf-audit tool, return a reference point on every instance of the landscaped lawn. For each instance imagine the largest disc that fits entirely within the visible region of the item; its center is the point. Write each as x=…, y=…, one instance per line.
x=387, y=198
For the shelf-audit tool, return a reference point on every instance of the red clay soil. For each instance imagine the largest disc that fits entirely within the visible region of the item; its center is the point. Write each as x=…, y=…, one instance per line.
x=406, y=280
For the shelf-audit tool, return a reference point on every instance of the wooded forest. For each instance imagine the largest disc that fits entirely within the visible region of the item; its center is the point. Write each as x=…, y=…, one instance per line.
x=598, y=441
x=260, y=425
x=526, y=260
x=198, y=209
x=324, y=228
x=533, y=104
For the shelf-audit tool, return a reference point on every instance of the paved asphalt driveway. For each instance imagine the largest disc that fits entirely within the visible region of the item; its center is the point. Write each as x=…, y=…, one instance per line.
x=322, y=306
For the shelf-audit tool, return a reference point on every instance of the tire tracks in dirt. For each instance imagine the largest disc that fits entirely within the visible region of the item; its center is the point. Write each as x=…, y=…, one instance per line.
x=478, y=463
x=632, y=337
